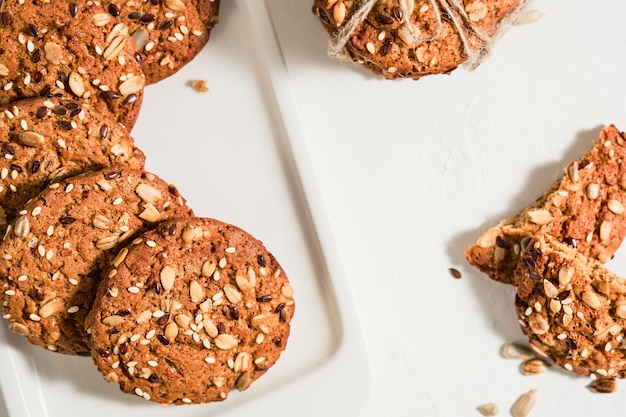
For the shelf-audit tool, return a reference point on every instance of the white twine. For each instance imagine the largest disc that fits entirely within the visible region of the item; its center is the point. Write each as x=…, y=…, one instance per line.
x=453, y=8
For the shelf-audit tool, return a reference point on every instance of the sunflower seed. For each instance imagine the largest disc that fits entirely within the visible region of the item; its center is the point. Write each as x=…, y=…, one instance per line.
x=76, y=84
x=524, y=404
x=488, y=410
x=176, y=5
x=540, y=217
x=225, y=341
x=32, y=139
x=210, y=328
x=19, y=328
x=50, y=308
x=339, y=13
x=168, y=274
x=132, y=85
x=113, y=321
x=196, y=292
x=171, y=331
x=517, y=351
x=232, y=294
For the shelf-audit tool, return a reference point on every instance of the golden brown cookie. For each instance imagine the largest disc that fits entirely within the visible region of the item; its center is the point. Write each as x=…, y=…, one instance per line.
x=572, y=308
x=72, y=49
x=51, y=258
x=45, y=140
x=189, y=311
x=167, y=33
x=413, y=38
x=584, y=209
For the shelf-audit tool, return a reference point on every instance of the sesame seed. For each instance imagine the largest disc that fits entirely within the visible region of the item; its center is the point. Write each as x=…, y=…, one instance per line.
x=36, y=211
x=73, y=281
x=209, y=359
x=153, y=363
x=118, y=201
x=133, y=290
x=34, y=317
x=230, y=250
x=69, y=188
x=151, y=243
x=73, y=309
x=186, y=400
x=9, y=292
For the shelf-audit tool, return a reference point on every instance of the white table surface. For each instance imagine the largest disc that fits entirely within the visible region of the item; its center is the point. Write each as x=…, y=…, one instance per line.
x=411, y=172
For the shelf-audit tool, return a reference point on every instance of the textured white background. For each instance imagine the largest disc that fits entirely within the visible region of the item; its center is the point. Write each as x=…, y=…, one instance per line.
x=412, y=171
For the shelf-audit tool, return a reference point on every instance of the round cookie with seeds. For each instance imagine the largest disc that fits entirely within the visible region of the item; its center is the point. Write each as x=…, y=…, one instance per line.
x=571, y=308
x=73, y=49
x=189, y=311
x=45, y=140
x=51, y=257
x=413, y=38
x=167, y=33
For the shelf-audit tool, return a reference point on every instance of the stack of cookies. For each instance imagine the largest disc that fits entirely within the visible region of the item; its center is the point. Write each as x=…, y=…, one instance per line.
x=100, y=257
x=570, y=306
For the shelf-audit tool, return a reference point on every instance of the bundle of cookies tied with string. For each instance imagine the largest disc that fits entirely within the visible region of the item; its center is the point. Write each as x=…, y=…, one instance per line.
x=99, y=257
x=568, y=304
x=413, y=38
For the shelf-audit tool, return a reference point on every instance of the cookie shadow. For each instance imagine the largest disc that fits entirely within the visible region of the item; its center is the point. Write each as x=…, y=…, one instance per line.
x=496, y=299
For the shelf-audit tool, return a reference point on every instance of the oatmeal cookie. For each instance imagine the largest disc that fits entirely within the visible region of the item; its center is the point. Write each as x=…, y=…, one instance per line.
x=584, y=209
x=168, y=33
x=51, y=258
x=572, y=308
x=413, y=38
x=45, y=140
x=73, y=49
x=189, y=311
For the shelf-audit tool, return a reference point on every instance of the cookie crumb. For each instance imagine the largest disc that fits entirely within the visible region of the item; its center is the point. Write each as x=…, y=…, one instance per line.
x=199, y=85
x=455, y=273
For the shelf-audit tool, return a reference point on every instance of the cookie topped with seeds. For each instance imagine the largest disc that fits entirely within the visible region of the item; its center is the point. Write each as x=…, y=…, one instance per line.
x=73, y=49
x=572, y=308
x=189, y=311
x=167, y=33
x=45, y=140
x=584, y=209
x=413, y=38
x=51, y=257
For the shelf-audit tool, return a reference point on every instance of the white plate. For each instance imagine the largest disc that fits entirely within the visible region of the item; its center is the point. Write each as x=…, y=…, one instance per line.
x=237, y=155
